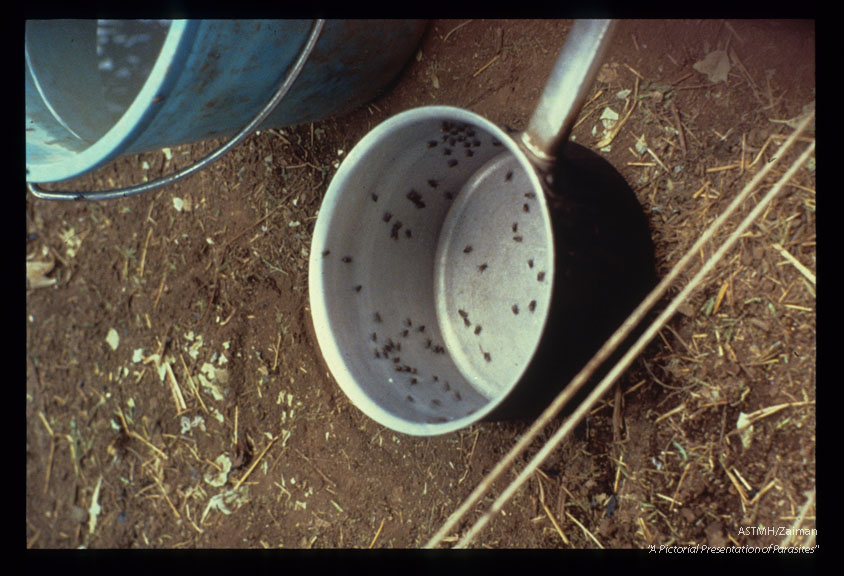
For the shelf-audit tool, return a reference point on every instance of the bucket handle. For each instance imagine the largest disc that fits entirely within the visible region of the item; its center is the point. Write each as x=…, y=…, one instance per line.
x=39, y=192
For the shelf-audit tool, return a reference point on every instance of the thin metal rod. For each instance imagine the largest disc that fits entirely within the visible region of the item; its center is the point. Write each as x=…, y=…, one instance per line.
x=608, y=348
x=271, y=105
x=622, y=365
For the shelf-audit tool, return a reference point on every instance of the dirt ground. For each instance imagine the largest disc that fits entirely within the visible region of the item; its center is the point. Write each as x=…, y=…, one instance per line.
x=175, y=393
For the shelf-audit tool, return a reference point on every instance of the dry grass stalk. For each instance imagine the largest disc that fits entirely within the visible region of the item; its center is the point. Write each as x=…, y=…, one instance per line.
x=645, y=532
x=617, y=415
x=234, y=438
x=485, y=66
x=377, y=534
x=277, y=348
x=679, y=128
x=144, y=254
x=160, y=290
x=585, y=530
x=679, y=408
x=192, y=385
x=549, y=514
x=721, y=293
x=314, y=466
x=796, y=263
x=757, y=415
x=46, y=424
x=49, y=471
x=810, y=502
x=609, y=347
x=736, y=484
x=175, y=390
x=762, y=491
x=455, y=29
x=255, y=463
x=679, y=483
x=166, y=497
x=136, y=436
x=469, y=459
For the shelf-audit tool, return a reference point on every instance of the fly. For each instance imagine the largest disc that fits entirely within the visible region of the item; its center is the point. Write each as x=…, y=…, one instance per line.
x=416, y=198
x=465, y=316
x=394, y=233
x=346, y=259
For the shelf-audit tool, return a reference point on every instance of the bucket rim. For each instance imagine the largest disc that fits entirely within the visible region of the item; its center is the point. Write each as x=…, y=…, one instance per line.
x=129, y=126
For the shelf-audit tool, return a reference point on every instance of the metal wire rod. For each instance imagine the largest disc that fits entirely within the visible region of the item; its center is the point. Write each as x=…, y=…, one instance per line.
x=622, y=365
x=609, y=347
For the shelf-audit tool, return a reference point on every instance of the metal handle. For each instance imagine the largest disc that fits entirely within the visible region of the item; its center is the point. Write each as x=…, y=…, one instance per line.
x=571, y=79
x=39, y=192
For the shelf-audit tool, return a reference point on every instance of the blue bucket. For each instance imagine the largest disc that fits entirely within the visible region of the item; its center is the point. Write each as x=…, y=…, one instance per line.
x=97, y=89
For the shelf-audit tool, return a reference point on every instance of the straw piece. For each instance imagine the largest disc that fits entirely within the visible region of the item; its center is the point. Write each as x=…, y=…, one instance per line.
x=175, y=390
x=796, y=263
x=137, y=436
x=487, y=65
x=810, y=501
x=255, y=463
x=585, y=530
x=378, y=533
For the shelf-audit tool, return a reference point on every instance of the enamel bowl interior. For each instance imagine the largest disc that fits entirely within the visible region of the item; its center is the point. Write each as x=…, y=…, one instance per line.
x=431, y=270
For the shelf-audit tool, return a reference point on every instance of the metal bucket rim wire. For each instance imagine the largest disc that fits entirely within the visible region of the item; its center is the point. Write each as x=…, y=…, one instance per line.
x=200, y=164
